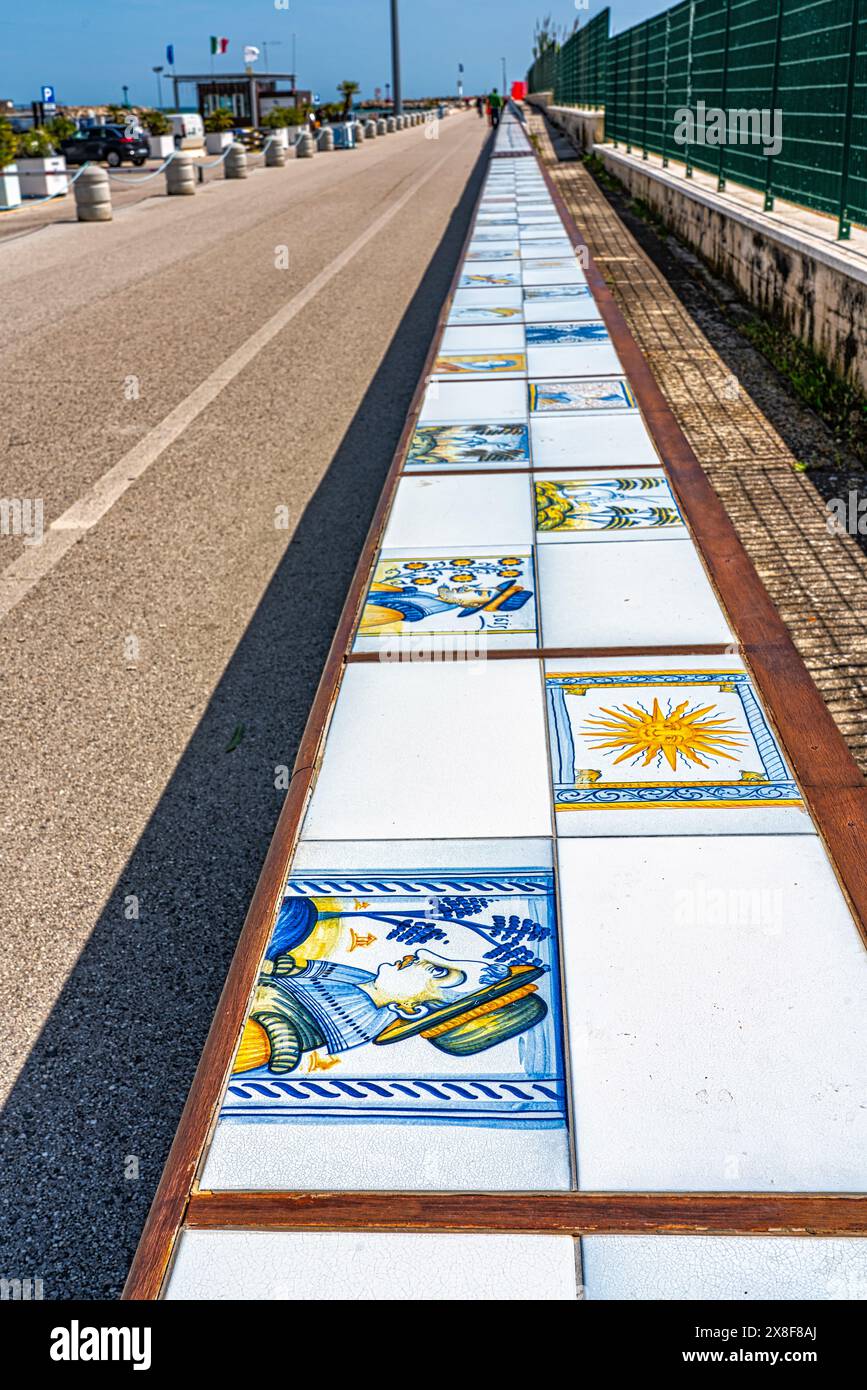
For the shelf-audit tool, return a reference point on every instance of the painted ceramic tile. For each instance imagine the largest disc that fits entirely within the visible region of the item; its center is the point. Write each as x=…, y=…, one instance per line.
x=605, y=504
x=480, y=364
x=549, y=263
x=470, y=446
x=588, y=393
x=716, y=985
x=492, y=255
x=485, y=313
x=567, y=334
x=668, y=738
x=472, y=280
x=545, y=293
x=479, y=594
x=412, y=999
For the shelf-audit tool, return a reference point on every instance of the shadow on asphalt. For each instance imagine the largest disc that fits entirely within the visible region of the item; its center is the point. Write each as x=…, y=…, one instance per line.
x=106, y=1081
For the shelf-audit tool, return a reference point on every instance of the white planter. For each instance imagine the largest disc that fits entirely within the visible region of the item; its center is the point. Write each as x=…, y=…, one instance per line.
x=161, y=146
x=280, y=135
x=217, y=140
x=10, y=188
x=41, y=177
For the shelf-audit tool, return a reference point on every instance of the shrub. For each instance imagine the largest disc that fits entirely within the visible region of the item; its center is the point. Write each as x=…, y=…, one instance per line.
x=8, y=143
x=155, y=123
x=60, y=128
x=34, y=144
x=219, y=120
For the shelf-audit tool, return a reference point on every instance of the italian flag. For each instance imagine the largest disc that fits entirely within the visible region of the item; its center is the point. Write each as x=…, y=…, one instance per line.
x=218, y=45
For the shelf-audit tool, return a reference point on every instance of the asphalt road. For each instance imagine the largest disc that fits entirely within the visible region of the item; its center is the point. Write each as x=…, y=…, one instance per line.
x=158, y=654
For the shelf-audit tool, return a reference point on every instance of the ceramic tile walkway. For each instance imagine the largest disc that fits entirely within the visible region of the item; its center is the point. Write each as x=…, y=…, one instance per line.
x=557, y=926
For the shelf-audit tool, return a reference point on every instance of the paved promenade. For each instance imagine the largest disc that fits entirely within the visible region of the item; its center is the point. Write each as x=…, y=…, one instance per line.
x=561, y=929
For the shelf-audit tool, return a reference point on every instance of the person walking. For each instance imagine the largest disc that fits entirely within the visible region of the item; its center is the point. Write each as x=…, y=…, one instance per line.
x=495, y=106
x=480, y=107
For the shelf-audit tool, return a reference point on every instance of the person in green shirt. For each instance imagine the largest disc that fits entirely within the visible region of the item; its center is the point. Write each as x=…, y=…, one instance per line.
x=495, y=106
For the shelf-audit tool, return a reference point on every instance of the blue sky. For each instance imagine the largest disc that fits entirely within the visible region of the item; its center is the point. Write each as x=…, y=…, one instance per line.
x=88, y=50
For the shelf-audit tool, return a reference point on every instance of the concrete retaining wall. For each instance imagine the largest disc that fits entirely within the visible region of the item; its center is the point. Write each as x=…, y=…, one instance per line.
x=584, y=128
x=816, y=289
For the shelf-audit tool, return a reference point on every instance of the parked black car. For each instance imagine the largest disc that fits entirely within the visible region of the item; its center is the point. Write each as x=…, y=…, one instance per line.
x=108, y=142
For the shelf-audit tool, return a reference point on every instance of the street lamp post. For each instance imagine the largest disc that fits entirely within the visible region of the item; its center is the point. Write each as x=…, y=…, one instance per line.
x=503, y=61
x=159, y=88
x=395, y=59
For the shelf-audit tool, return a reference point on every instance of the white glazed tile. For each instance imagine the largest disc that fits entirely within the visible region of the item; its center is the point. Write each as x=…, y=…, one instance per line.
x=549, y=231
x=461, y=511
x=717, y=1004
x=567, y=304
x=594, y=440
x=556, y=275
x=596, y=359
x=729, y=1268
x=603, y=506
x=448, y=402
x=470, y=446
x=433, y=749
x=486, y=249
x=553, y=247
x=617, y=724
x=481, y=337
x=620, y=595
x=297, y=1266
x=507, y=297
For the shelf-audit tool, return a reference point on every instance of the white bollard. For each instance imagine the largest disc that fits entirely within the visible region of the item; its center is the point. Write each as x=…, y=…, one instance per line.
x=236, y=162
x=391, y=125
x=370, y=130
x=275, y=154
x=93, y=195
x=304, y=146
x=180, y=175
x=325, y=141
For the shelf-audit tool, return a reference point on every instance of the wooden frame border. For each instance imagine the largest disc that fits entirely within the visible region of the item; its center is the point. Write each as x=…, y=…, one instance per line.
x=828, y=776
x=551, y=1213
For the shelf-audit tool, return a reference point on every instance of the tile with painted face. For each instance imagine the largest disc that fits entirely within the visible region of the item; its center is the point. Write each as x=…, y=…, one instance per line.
x=400, y=991
x=480, y=597
x=469, y=446
x=676, y=746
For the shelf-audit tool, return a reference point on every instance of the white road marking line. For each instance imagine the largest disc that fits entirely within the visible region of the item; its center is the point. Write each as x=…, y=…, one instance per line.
x=30, y=568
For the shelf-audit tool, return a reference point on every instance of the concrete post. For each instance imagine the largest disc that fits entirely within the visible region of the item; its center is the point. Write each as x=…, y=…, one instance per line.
x=93, y=195
x=325, y=141
x=391, y=124
x=370, y=130
x=236, y=162
x=381, y=127
x=304, y=146
x=275, y=154
x=180, y=175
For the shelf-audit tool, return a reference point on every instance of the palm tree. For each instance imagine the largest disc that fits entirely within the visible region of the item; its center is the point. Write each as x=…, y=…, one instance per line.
x=347, y=90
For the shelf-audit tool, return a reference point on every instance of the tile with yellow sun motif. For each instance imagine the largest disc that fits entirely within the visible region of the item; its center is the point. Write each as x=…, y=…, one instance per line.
x=681, y=742
x=481, y=598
